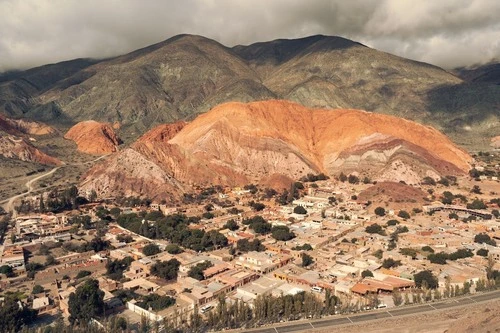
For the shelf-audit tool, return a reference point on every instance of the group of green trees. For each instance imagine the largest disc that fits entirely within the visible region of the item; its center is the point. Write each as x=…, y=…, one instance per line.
x=267, y=309
x=282, y=233
x=311, y=178
x=174, y=228
x=57, y=201
x=167, y=270
x=258, y=224
x=151, y=249
x=484, y=238
x=14, y=315
x=442, y=257
x=156, y=302
x=196, y=272
x=375, y=228
x=115, y=268
x=86, y=302
x=244, y=245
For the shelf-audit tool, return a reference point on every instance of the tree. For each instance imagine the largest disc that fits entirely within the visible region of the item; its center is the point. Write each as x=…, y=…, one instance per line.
x=426, y=278
x=244, y=245
x=261, y=227
x=306, y=260
x=392, y=223
x=167, y=270
x=37, y=289
x=404, y=214
x=196, y=272
x=438, y=258
x=14, y=316
x=352, y=179
x=397, y=297
x=300, y=210
x=427, y=248
x=151, y=249
x=257, y=206
x=7, y=270
x=366, y=273
x=378, y=254
x=124, y=238
x=231, y=225
x=374, y=229
x=476, y=204
x=389, y=263
x=484, y=238
x=173, y=249
x=476, y=189
x=380, y=211
x=156, y=302
x=482, y=252
x=115, y=268
x=408, y=252
x=342, y=177
x=86, y=302
x=428, y=181
x=282, y=233
x=82, y=274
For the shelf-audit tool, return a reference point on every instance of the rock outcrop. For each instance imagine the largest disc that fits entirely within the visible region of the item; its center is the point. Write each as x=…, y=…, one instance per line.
x=94, y=138
x=18, y=148
x=237, y=143
x=21, y=127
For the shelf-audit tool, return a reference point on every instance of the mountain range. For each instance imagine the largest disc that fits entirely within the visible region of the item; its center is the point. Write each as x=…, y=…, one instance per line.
x=187, y=75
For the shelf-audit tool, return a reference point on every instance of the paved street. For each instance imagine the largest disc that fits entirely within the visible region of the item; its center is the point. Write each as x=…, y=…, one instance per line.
x=378, y=314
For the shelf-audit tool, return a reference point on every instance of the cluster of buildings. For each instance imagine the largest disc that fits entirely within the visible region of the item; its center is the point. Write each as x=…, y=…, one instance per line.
x=332, y=231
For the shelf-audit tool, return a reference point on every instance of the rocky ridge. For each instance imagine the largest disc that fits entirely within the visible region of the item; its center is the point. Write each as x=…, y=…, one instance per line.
x=238, y=143
x=94, y=138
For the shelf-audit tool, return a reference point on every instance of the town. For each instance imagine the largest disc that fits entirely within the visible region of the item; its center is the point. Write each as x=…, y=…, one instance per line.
x=225, y=258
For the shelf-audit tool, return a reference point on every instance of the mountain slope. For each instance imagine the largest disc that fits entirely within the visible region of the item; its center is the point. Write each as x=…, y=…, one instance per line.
x=187, y=75
x=238, y=143
x=173, y=80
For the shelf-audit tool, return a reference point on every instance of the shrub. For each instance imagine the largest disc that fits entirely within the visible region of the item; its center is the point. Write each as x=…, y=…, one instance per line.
x=404, y=214
x=300, y=210
x=82, y=274
x=380, y=211
x=374, y=229
x=366, y=273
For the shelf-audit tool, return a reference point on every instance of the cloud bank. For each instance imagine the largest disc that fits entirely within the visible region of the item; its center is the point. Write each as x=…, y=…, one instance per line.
x=446, y=33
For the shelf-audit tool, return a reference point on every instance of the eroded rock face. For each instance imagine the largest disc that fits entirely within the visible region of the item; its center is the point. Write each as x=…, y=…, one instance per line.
x=20, y=127
x=238, y=143
x=18, y=148
x=94, y=138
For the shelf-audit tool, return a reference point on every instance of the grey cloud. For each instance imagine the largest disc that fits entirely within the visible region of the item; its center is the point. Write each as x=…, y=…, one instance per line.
x=445, y=33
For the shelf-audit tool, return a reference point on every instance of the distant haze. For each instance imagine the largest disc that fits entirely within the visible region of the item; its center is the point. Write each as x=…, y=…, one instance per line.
x=445, y=33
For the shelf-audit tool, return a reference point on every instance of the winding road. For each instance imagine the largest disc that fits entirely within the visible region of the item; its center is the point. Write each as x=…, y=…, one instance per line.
x=8, y=204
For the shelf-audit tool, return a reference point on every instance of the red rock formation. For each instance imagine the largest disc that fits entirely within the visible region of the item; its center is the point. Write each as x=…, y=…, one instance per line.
x=94, y=138
x=238, y=143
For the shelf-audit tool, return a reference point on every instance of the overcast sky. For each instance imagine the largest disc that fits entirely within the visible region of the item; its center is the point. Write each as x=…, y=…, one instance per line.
x=448, y=33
